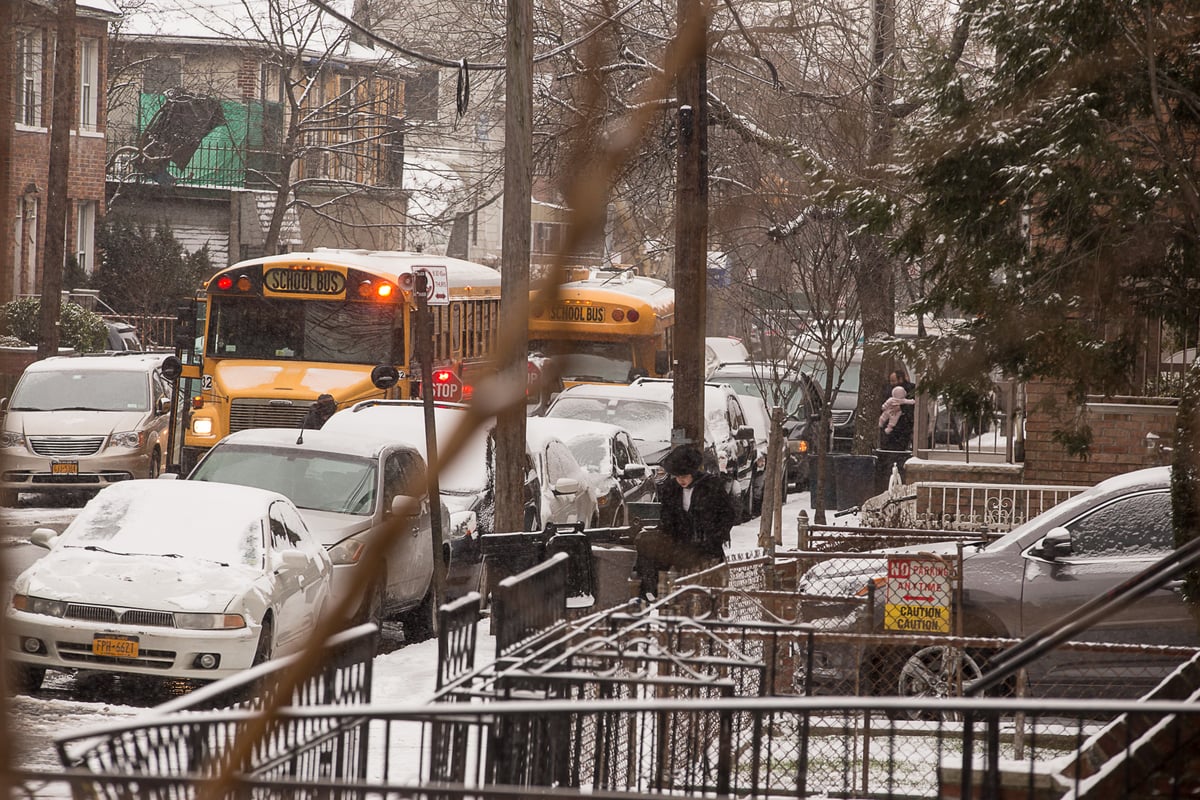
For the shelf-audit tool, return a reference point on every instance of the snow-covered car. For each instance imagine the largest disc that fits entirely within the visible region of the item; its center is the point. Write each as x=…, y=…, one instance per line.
x=178, y=579
x=84, y=422
x=720, y=350
x=645, y=408
x=349, y=489
x=467, y=483
x=1030, y=578
x=614, y=467
x=567, y=493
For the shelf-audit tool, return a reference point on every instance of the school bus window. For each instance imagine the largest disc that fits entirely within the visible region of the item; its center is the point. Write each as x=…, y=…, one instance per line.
x=607, y=362
x=249, y=327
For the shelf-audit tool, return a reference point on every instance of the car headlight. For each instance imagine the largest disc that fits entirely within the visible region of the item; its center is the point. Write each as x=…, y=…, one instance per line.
x=131, y=439
x=11, y=439
x=209, y=622
x=202, y=426
x=39, y=605
x=347, y=551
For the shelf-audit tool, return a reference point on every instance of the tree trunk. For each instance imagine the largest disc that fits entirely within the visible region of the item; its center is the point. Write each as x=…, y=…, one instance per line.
x=57, y=203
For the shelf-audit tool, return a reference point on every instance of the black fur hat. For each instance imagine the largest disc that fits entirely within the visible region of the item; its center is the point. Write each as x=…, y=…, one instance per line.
x=684, y=460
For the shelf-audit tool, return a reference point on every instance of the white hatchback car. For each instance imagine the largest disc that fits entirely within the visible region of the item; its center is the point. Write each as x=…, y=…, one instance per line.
x=179, y=579
x=84, y=422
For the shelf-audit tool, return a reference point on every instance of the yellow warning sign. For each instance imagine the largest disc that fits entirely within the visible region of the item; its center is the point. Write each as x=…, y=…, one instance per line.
x=917, y=599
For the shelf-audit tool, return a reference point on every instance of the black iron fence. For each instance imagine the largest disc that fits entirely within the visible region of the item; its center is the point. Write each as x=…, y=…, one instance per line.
x=736, y=688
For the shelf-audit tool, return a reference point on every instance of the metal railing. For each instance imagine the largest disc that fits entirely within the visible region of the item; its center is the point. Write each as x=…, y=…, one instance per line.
x=982, y=507
x=687, y=696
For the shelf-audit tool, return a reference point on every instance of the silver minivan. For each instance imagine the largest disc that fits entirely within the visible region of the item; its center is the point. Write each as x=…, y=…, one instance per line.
x=84, y=422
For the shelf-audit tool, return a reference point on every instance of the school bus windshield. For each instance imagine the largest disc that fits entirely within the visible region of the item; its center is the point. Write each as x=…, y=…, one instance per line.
x=329, y=331
x=575, y=360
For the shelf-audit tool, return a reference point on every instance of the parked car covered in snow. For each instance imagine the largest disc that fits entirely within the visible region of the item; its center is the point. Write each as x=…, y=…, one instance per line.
x=178, y=579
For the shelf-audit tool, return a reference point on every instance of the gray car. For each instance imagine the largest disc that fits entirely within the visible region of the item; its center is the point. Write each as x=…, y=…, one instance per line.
x=1043, y=570
x=84, y=422
x=348, y=489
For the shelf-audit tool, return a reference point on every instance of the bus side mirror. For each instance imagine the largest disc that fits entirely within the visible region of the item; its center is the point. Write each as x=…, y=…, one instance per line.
x=385, y=376
x=172, y=368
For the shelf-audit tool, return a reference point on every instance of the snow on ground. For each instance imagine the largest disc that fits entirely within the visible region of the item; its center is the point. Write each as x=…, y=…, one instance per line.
x=405, y=675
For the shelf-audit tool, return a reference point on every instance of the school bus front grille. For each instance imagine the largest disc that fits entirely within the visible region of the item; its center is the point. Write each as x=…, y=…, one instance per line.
x=259, y=413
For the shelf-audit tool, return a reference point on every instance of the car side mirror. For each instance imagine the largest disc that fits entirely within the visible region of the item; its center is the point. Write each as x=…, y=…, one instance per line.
x=1056, y=544
x=402, y=503
x=566, y=486
x=43, y=537
x=162, y=406
x=634, y=471
x=292, y=560
x=745, y=433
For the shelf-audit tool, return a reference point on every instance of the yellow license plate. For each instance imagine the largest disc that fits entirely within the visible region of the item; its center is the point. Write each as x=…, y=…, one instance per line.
x=64, y=468
x=113, y=647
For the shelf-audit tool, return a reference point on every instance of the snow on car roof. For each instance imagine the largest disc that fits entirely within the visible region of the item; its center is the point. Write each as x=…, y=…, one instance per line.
x=131, y=362
x=355, y=443
x=215, y=521
x=404, y=422
x=570, y=429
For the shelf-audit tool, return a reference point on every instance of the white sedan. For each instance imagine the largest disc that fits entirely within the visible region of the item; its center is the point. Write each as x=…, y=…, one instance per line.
x=179, y=579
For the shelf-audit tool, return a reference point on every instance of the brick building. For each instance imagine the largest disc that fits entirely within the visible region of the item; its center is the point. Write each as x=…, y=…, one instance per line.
x=29, y=170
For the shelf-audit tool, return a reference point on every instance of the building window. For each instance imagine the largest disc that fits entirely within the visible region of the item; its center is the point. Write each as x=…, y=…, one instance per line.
x=29, y=69
x=85, y=235
x=25, y=245
x=161, y=74
x=89, y=76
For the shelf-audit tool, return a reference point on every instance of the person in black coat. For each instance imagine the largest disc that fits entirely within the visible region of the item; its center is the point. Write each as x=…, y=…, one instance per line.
x=695, y=518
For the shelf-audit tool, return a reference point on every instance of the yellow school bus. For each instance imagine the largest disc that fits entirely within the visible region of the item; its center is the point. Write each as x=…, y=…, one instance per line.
x=274, y=333
x=608, y=326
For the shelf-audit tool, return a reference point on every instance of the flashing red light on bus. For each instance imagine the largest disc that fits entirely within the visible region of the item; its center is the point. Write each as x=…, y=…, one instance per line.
x=618, y=315
x=224, y=283
x=632, y=315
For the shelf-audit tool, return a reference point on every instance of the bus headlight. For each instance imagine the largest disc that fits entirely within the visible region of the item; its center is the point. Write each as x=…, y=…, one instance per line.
x=202, y=426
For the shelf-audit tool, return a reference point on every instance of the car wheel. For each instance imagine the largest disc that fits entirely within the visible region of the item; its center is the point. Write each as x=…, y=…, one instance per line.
x=27, y=680
x=418, y=623
x=266, y=642
x=937, y=671
x=155, y=463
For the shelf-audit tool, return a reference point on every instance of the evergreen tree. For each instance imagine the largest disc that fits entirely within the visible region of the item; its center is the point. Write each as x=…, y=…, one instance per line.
x=1060, y=188
x=143, y=271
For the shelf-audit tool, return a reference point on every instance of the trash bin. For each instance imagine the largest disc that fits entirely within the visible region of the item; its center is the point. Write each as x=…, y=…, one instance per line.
x=830, y=488
x=854, y=479
x=614, y=566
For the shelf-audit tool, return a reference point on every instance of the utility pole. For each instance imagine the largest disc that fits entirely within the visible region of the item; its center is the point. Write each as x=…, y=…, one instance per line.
x=514, y=274
x=691, y=228
x=424, y=348
x=60, y=166
x=8, y=47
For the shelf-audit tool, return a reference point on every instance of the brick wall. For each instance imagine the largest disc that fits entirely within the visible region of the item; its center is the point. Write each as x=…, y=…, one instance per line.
x=31, y=151
x=1118, y=436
